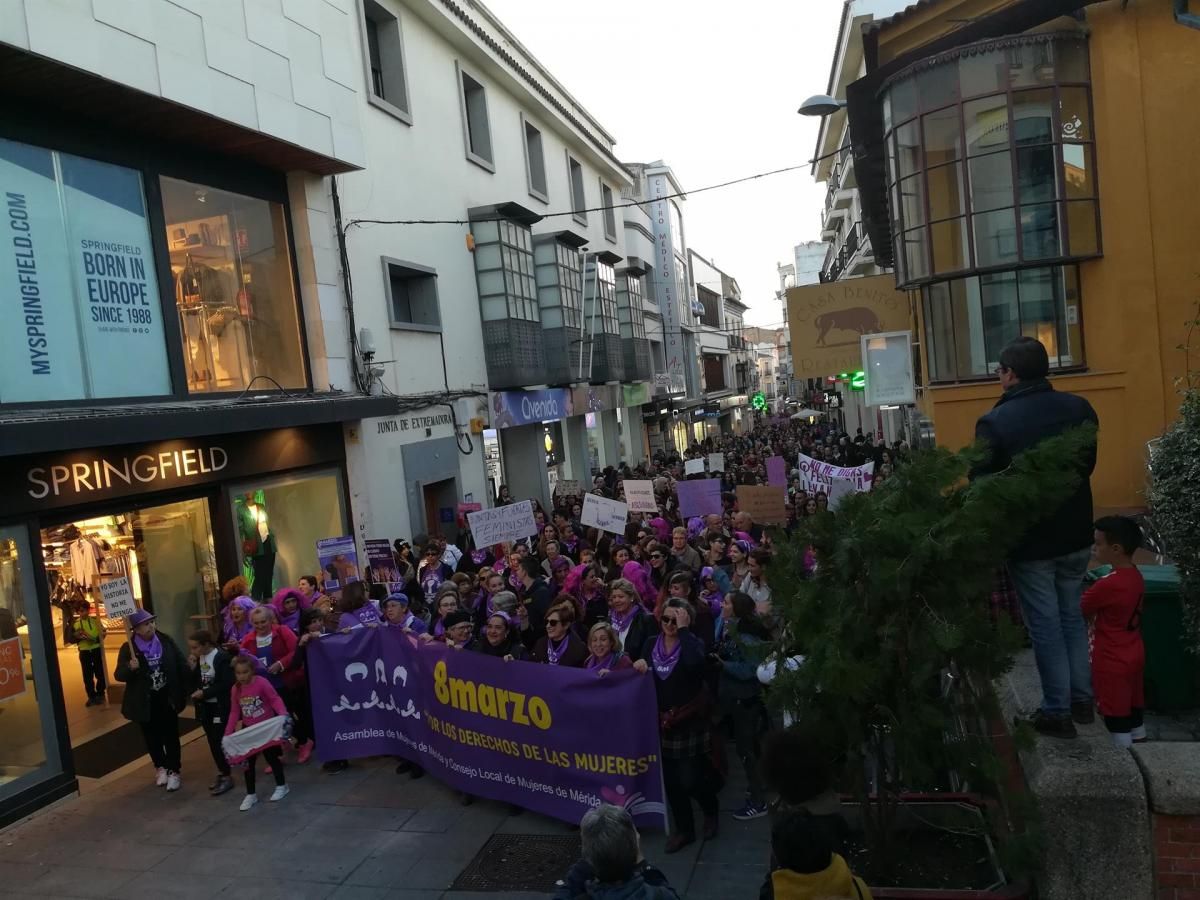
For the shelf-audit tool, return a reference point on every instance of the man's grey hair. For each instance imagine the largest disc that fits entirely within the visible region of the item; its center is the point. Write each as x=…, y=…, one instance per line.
x=610, y=843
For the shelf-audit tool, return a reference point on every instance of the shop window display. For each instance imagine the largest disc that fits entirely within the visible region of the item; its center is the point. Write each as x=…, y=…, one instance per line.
x=233, y=288
x=278, y=524
x=28, y=746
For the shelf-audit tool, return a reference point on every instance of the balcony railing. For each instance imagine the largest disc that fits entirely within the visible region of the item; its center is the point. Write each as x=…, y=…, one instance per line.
x=855, y=238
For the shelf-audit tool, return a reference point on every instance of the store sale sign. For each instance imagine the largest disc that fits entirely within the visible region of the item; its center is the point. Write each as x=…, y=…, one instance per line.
x=12, y=669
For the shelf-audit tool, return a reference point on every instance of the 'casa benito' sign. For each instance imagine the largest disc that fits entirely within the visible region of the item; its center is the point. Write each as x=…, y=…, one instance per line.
x=826, y=321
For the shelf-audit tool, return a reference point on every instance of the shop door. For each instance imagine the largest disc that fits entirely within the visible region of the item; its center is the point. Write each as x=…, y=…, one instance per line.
x=29, y=750
x=166, y=551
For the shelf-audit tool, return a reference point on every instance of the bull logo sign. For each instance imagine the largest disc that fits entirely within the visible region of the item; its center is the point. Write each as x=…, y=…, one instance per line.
x=859, y=320
x=827, y=321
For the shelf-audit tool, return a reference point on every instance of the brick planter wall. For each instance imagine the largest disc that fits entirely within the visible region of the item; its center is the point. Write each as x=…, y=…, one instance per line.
x=1176, y=857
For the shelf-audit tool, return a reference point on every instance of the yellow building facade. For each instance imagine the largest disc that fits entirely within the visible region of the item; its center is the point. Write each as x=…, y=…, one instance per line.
x=1042, y=181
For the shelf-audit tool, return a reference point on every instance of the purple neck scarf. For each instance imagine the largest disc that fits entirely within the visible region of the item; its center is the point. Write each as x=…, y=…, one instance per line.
x=605, y=663
x=478, y=556
x=622, y=623
x=152, y=649
x=554, y=654
x=664, y=662
x=713, y=600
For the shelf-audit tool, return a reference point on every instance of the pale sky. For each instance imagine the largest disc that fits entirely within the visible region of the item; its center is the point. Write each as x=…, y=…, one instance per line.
x=712, y=89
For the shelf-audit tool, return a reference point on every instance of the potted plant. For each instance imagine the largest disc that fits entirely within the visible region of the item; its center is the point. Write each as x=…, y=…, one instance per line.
x=900, y=653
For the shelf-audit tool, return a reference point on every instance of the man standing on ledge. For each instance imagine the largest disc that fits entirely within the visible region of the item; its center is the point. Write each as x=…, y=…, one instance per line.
x=1048, y=565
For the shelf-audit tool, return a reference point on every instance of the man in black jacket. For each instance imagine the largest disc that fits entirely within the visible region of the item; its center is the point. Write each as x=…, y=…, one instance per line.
x=1048, y=565
x=538, y=596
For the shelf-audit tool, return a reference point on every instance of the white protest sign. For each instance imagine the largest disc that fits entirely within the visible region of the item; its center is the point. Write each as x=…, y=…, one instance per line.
x=605, y=514
x=693, y=467
x=716, y=462
x=502, y=524
x=839, y=490
x=567, y=487
x=819, y=476
x=118, y=597
x=640, y=496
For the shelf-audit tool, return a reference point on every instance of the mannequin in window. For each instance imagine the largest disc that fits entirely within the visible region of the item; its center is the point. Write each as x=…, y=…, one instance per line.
x=258, y=545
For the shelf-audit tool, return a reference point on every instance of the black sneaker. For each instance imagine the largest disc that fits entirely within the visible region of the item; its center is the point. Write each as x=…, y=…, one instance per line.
x=1083, y=713
x=1053, y=726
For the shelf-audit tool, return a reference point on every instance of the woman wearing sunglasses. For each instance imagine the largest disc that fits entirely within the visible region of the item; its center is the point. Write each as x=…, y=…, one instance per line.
x=559, y=646
x=677, y=659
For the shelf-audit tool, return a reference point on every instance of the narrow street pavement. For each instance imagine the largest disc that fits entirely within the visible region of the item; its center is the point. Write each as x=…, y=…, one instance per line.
x=365, y=834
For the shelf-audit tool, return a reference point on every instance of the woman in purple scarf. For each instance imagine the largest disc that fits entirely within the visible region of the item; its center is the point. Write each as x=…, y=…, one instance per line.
x=632, y=623
x=288, y=604
x=676, y=657
x=605, y=651
x=156, y=677
x=559, y=646
x=356, y=610
x=237, y=623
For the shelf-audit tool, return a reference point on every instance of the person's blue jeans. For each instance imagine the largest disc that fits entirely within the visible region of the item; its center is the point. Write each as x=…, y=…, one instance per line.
x=1050, y=591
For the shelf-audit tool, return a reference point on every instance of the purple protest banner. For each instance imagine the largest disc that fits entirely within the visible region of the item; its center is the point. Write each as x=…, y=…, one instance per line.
x=516, y=732
x=699, y=497
x=777, y=471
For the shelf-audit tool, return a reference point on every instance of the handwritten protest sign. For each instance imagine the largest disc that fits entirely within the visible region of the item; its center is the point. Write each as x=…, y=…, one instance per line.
x=700, y=497
x=607, y=515
x=764, y=503
x=818, y=476
x=716, y=462
x=693, y=467
x=839, y=491
x=118, y=597
x=640, y=496
x=516, y=732
x=777, y=471
x=504, y=523
x=567, y=487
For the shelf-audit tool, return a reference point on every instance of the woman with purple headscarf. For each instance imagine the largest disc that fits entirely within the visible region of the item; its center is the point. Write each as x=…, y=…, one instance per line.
x=237, y=623
x=288, y=603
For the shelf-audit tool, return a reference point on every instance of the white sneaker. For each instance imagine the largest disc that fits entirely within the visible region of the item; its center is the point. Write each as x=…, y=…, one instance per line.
x=160, y=777
x=280, y=792
x=173, y=781
x=248, y=803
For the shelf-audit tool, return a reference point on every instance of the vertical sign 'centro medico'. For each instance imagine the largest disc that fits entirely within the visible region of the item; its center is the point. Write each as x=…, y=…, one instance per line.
x=664, y=261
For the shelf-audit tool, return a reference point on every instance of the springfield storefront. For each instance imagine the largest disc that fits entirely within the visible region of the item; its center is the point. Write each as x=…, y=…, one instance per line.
x=177, y=518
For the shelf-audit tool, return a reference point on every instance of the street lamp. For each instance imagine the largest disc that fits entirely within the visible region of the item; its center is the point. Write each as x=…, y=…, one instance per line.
x=821, y=105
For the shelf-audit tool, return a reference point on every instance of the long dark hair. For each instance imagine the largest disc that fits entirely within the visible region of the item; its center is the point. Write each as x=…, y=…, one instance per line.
x=746, y=617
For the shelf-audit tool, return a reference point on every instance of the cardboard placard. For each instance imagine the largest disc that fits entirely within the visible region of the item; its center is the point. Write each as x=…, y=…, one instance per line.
x=640, y=496
x=118, y=597
x=12, y=669
x=764, y=503
x=699, y=498
x=504, y=524
x=716, y=462
x=607, y=515
x=693, y=467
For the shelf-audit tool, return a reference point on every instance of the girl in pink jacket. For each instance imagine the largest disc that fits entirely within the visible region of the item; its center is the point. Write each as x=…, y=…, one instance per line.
x=252, y=701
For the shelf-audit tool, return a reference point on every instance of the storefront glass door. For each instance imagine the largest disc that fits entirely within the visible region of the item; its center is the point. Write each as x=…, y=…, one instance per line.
x=28, y=740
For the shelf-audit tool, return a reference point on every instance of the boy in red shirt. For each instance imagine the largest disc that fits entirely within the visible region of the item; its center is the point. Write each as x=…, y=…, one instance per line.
x=1114, y=605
